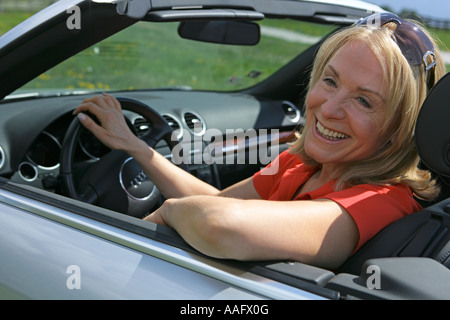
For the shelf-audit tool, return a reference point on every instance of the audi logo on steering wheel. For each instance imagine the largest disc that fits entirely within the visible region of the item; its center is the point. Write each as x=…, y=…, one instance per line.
x=138, y=179
x=134, y=181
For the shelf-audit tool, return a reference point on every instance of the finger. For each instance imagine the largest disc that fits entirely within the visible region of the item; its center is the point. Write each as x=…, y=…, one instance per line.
x=97, y=102
x=113, y=101
x=90, y=124
x=88, y=106
x=102, y=102
x=155, y=217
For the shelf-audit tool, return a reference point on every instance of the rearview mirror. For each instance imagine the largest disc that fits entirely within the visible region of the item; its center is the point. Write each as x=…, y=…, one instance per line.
x=221, y=31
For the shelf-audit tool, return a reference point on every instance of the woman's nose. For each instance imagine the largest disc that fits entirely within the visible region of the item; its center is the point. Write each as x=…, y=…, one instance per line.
x=334, y=106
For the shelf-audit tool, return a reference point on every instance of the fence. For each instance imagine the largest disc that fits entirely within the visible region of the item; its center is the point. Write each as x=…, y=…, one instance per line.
x=437, y=23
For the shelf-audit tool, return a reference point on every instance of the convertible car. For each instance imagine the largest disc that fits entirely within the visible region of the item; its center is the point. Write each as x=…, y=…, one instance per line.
x=216, y=86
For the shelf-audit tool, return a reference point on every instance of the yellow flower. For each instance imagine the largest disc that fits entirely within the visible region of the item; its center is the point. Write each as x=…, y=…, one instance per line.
x=44, y=77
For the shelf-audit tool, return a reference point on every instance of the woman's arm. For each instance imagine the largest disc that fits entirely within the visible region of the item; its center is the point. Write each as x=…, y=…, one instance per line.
x=171, y=180
x=318, y=232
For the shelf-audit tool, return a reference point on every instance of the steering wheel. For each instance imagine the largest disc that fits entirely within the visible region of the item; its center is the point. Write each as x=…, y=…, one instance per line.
x=115, y=181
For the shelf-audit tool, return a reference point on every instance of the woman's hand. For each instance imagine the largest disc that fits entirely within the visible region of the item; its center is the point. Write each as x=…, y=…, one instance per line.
x=157, y=216
x=113, y=130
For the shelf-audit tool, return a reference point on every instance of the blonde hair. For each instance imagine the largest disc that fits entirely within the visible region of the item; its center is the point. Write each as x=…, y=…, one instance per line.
x=397, y=160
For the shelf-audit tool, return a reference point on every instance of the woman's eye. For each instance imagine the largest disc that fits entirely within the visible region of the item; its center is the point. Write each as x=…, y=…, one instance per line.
x=364, y=102
x=330, y=82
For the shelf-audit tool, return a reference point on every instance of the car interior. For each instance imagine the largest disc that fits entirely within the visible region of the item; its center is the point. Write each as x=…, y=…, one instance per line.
x=413, y=253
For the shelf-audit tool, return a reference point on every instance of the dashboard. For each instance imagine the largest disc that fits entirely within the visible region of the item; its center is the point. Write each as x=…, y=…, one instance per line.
x=33, y=131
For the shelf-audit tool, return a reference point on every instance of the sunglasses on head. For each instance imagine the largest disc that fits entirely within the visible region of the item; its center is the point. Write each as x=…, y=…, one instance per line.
x=412, y=41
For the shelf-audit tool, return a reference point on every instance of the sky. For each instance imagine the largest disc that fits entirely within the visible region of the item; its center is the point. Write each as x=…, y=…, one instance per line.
x=439, y=9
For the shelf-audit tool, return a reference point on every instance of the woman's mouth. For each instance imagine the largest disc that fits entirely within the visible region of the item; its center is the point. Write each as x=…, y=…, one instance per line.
x=330, y=134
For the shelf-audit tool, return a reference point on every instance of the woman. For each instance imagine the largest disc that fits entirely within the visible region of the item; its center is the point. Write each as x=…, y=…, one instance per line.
x=352, y=171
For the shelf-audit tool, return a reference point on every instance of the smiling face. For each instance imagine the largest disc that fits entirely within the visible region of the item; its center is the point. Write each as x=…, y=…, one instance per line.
x=346, y=107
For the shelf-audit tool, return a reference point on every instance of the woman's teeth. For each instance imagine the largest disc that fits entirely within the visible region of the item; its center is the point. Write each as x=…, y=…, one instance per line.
x=330, y=134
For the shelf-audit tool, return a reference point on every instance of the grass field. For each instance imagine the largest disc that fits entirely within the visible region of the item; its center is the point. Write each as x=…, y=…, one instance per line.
x=10, y=19
x=151, y=55
x=148, y=55
x=201, y=66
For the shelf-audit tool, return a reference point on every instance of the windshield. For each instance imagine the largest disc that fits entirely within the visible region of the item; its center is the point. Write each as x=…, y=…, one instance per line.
x=152, y=55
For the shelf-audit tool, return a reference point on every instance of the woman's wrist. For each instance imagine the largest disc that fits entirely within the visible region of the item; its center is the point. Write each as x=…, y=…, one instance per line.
x=139, y=150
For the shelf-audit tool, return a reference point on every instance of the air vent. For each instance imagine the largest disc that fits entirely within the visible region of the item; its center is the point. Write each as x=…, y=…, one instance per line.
x=291, y=111
x=142, y=126
x=174, y=123
x=195, y=123
x=2, y=157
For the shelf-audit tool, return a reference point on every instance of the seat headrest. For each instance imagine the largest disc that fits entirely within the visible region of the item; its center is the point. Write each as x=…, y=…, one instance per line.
x=432, y=132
